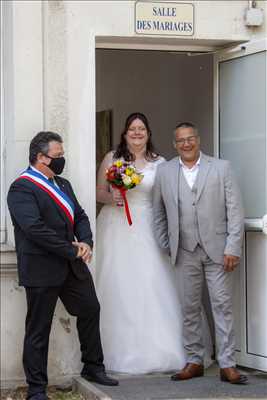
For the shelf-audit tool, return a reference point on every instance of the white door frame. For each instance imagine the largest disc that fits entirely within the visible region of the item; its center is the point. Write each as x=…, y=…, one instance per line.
x=229, y=54
x=243, y=357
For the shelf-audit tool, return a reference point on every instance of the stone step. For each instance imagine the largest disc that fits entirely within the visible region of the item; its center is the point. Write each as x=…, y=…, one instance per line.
x=160, y=387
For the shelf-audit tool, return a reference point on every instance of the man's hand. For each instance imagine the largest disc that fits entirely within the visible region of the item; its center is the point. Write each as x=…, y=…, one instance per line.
x=79, y=252
x=84, y=251
x=230, y=262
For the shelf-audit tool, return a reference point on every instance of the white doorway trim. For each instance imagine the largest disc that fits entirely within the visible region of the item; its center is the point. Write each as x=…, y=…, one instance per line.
x=253, y=256
x=234, y=52
x=167, y=43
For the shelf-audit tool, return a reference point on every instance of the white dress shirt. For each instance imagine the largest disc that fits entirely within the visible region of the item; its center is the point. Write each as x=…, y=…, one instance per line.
x=190, y=174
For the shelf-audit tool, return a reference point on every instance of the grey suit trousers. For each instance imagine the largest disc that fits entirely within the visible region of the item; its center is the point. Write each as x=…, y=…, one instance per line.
x=192, y=269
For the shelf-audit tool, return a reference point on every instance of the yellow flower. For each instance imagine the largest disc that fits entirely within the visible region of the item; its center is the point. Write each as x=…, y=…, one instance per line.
x=129, y=171
x=136, y=179
x=118, y=163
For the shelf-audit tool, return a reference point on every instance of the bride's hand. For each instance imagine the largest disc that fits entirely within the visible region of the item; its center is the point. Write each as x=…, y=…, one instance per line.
x=117, y=197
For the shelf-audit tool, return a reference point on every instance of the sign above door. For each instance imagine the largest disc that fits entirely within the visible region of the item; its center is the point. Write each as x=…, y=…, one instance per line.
x=163, y=18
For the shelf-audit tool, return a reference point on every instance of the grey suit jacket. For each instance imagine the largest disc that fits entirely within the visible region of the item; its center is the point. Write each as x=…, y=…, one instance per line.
x=218, y=203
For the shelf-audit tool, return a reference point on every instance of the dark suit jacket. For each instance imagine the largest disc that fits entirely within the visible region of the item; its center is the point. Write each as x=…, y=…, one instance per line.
x=43, y=234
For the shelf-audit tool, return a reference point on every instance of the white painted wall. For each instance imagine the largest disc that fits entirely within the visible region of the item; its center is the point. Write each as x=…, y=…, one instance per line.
x=24, y=116
x=167, y=87
x=64, y=352
x=214, y=19
x=23, y=85
x=2, y=143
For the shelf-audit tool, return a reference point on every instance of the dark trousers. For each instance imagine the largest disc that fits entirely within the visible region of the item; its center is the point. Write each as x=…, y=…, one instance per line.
x=79, y=299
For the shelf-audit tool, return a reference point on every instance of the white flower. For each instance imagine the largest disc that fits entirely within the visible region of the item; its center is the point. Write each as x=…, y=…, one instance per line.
x=126, y=180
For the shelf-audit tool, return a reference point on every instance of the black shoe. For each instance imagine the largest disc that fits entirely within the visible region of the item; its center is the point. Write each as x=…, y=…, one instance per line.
x=101, y=378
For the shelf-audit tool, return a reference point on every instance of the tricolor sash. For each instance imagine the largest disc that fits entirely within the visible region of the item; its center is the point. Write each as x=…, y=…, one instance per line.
x=59, y=197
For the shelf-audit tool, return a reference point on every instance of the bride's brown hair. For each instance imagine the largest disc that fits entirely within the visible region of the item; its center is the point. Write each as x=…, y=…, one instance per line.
x=122, y=150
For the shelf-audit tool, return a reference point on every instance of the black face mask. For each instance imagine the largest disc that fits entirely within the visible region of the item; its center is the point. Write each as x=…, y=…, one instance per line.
x=57, y=164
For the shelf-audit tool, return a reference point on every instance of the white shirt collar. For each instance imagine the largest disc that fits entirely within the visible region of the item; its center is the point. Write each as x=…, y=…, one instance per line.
x=194, y=166
x=37, y=170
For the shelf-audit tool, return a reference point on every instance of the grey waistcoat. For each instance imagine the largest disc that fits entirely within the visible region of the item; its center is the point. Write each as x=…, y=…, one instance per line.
x=188, y=222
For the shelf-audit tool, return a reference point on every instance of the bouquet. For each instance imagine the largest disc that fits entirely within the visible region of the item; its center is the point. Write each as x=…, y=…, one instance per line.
x=123, y=176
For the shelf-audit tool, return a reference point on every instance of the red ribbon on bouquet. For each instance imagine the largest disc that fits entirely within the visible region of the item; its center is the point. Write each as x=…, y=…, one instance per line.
x=126, y=205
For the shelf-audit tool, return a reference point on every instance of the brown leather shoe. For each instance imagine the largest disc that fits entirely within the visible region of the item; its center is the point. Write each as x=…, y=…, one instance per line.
x=189, y=371
x=232, y=375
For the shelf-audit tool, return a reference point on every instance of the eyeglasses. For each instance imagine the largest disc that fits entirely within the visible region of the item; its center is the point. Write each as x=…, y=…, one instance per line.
x=53, y=158
x=189, y=139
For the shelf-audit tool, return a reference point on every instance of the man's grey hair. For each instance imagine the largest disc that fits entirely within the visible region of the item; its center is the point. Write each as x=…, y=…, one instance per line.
x=185, y=125
x=40, y=144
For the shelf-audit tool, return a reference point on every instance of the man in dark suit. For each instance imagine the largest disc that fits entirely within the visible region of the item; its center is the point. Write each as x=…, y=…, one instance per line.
x=53, y=244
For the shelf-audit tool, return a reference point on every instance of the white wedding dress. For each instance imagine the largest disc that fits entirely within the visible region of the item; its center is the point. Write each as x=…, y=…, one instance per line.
x=140, y=318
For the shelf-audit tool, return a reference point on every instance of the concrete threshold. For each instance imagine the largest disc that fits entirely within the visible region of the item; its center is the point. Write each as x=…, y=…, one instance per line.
x=88, y=390
x=160, y=387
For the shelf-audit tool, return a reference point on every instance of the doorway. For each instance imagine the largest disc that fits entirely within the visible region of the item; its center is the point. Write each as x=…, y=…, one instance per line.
x=168, y=87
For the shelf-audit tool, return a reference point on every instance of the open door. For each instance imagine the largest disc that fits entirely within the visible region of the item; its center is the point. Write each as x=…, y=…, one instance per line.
x=241, y=137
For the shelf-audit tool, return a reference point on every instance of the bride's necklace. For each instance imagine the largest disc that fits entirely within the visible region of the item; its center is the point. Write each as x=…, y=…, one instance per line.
x=140, y=164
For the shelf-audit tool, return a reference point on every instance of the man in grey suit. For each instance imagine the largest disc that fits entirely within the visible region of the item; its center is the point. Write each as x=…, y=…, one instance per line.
x=198, y=220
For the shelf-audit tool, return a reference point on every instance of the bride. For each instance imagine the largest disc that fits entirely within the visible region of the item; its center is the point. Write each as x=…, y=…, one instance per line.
x=141, y=320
